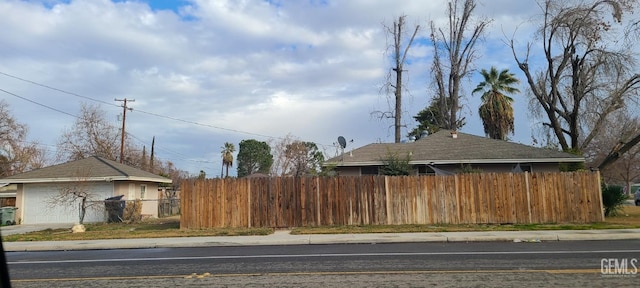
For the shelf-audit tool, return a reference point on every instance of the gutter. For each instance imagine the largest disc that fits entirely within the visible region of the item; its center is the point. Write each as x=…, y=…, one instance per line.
x=88, y=179
x=463, y=161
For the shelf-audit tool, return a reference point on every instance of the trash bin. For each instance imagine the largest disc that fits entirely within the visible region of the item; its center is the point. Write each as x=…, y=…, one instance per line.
x=115, y=208
x=8, y=215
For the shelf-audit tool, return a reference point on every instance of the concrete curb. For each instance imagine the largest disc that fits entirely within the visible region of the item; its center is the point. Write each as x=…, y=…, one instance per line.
x=284, y=238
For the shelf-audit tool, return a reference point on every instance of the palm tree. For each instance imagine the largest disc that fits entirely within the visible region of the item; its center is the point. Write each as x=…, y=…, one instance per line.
x=227, y=156
x=496, y=110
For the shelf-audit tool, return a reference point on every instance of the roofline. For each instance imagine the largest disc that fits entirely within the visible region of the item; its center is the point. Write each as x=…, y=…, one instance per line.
x=470, y=161
x=88, y=179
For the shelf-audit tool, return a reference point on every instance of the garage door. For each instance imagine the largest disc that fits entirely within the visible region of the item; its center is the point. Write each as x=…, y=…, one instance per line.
x=38, y=208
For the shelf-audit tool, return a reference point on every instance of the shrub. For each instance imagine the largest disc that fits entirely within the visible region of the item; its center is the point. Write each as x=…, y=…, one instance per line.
x=467, y=169
x=133, y=211
x=396, y=165
x=612, y=199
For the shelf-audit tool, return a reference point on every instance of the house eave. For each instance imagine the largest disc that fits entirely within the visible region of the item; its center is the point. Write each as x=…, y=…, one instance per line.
x=463, y=161
x=88, y=179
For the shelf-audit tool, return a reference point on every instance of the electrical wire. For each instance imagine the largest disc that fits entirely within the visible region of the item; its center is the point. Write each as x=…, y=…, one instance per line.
x=324, y=146
x=56, y=148
x=39, y=104
x=112, y=104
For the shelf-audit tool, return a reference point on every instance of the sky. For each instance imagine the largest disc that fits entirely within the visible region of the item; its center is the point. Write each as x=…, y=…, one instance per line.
x=203, y=73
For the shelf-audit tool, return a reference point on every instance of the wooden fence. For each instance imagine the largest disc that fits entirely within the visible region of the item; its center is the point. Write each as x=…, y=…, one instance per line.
x=463, y=198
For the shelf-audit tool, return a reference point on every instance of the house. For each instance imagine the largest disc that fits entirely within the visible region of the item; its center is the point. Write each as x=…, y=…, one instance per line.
x=447, y=152
x=102, y=178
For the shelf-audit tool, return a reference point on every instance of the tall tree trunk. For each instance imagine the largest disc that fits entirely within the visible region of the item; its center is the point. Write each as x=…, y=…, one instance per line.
x=454, y=52
x=399, y=58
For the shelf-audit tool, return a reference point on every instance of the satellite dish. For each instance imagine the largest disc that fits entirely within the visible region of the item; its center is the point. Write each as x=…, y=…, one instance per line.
x=342, y=141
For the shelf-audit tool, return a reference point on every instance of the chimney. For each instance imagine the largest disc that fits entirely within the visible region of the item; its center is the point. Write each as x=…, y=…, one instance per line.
x=454, y=134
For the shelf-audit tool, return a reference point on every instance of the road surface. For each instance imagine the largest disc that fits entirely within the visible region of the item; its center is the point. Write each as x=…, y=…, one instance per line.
x=505, y=264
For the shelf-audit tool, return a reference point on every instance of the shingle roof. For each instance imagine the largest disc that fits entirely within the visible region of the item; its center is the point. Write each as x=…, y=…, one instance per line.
x=442, y=148
x=90, y=169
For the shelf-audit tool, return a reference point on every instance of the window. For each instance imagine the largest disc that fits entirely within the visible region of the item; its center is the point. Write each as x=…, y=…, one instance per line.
x=521, y=168
x=425, y=170
x=369, y=170
x=143, y=191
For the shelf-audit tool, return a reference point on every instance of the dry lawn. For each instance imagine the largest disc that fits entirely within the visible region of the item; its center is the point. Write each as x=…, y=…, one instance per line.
x=630, y=215
x=152, y=228
x=170, y=227
x=628, y=218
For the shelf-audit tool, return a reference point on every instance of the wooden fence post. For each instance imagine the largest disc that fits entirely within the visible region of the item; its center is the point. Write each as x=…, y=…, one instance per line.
x=249, y=208
x=458, y=218
x=599, y=196
x=318, y=201
x=526, y=183
x=388, y=200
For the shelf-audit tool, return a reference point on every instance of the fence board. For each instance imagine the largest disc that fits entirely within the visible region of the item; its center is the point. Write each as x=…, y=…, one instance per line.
x=463, y=198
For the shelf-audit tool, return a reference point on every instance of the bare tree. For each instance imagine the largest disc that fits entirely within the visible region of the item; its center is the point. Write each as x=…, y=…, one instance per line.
x=76, y=193
x=399, y=58
x=91, y=135
x=305, y=158
x=626, y=170
x=454, y=53
x=587, y=74
x=293, y=157
x=281, y=164
x=169, y=170
x=16, y=154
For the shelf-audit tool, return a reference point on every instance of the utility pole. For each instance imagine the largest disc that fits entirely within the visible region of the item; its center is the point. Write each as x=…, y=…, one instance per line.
x=124, y=120
x=153, y=144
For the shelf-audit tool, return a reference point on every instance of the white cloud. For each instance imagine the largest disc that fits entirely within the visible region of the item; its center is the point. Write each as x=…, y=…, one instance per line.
x=309, y=68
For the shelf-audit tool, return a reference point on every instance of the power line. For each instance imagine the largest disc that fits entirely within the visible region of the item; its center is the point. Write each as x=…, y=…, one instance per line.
x=78, y=117
x=39, y=104
x=181, y=156
x=143, y=112
x=57, y=89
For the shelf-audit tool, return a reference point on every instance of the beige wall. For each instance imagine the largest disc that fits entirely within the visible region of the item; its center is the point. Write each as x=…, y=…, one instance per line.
x=132, y=191
x=19, y=203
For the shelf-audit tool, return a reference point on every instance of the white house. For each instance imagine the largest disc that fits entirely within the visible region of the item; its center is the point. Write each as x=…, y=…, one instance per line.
x=101, y=177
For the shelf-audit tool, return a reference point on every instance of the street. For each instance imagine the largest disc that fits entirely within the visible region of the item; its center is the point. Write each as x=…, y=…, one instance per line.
x=564, y=263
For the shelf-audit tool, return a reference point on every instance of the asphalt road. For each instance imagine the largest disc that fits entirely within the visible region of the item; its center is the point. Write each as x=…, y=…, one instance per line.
x=505, y=264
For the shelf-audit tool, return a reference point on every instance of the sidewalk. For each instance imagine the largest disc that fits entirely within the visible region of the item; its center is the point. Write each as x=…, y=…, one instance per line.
x=285, y=238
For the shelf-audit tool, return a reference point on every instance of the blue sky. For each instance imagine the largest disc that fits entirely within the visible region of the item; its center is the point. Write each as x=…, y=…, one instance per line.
x=223, y=71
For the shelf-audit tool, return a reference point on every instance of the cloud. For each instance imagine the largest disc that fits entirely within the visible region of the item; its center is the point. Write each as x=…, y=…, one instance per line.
x=244, y=69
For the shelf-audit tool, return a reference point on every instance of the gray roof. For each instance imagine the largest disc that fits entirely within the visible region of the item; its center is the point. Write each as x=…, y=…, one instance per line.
x=442, y=148
x=88, y=169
